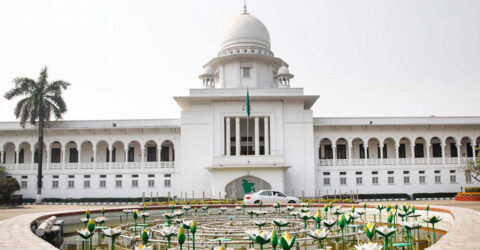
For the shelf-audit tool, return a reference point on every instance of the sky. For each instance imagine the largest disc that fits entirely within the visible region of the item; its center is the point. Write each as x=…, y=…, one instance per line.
x=127, y=59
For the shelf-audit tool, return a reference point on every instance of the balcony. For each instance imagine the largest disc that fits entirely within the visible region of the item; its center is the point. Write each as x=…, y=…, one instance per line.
x=247, y=160
x=393, y=161
x=91, y=165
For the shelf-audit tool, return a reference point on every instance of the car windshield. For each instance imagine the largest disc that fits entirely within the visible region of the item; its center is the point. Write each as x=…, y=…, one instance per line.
x=266, y=193
x=279, y=194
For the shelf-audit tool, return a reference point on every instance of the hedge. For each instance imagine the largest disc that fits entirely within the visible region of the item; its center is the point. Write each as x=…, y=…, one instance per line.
x=377, y=196
x=472, y=189
x=433, y=195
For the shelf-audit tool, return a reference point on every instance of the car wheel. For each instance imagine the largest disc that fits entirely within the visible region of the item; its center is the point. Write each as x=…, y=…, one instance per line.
x=256, y=202
x=291, y=202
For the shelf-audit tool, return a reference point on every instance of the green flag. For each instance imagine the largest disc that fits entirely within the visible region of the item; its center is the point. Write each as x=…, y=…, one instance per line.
x=247, y=102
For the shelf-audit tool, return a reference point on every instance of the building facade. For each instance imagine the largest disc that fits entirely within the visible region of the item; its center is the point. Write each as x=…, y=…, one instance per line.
x=215, y=147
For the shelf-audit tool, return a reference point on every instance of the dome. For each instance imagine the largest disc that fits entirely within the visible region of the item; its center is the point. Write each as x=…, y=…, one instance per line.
x=283, y=71
x=208, y=71
x=245, y=30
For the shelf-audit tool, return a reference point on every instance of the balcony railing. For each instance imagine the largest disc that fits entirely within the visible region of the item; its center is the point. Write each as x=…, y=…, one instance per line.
x=248, y=160
x=393, y=161
x=91, y=165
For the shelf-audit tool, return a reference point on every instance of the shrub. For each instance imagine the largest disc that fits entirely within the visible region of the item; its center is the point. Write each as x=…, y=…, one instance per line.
x=433, y=195
x=7, y=187
x=472, y=189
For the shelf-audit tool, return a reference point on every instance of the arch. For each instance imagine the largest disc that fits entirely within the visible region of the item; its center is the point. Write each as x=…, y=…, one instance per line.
x=102, y=151
x=451, y=147
x=71, y=152
x=341, y=145
x=358, y=148
x=167, y=152
x=373, y=148
x=389, y=149
x=55, y=151
x=118, y=151
x=236, y=188
x=420, y=144
x=466, y=147
x=24, y=152
x=325, y=150
x=134, y=151
x=86, y=148
x=9, y=153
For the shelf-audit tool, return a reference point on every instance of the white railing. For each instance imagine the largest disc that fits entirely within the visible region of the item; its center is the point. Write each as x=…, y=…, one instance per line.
x=325, y=162
x=464, y=160
x=420, y=161
x=393, y=161
x=341, y=162
x=404, y=161
x=436, y=160
x=451, y=160
x=374, y=161
x=389, y=161
x=248, y=160
x=91, y=165
x=357, y=162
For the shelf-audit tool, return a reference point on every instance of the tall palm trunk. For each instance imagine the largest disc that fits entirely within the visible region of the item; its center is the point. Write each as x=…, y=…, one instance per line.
x=40, y=156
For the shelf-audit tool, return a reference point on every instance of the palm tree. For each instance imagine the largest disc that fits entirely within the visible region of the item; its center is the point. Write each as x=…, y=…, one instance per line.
x=40, y=100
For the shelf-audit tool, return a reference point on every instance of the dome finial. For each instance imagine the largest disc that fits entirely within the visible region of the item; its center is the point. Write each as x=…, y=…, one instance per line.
x=245, y=6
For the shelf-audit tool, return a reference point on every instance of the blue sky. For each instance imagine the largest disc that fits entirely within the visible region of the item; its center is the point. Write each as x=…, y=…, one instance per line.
x=127, y=59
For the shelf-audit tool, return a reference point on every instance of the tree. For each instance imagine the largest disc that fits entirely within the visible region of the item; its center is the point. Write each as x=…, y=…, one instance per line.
x=473, y=167
x=7, y=186
x=40, y=100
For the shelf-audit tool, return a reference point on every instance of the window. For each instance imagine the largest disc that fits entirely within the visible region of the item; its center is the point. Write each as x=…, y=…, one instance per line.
x=266, y=193
x=358, y=180
x=385, y=155
x=134, y=183
x=103, y=176
x=54, y=184
x=453, y=150
x=86, y=184
x=167, y=175
x=245, y=72
x=421, y=179
x=71, y=184
x=452, y=171
x=401, y=151
x=438, y=179
x=118, y=183
x=406, y=172
x=436, y=150
x=453, y=179
x=419, y=152
x=421, y=171
x=152, y=154
x=469, y=150
x=35, y=156
x=21, y=156
x=151, y=176
x=343, y=173
x=391, y=180
x=328, y=152
x=24, y=184
x=390, y=172
x=358, y=173
x=151, y=183
x=113, y=154
x=71, y=176
x=103, y=184
x=468, y=178
x=55, y=155
x=437, y=171
x=131, y=155
x=24, y=177
x=118, y=176
x=362, y=152
x=73, y=155
x=167, y=183
x=374, y=172
x=341, y=152
x=375, y=180
x=326, y=173
x=134, y=175
x=406, y=180
x=343, y=180
x=326, y=181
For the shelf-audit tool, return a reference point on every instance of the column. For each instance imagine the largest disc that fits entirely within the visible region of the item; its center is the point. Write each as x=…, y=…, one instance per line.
x=257, y=136
x=159, y=153
x=94, y=154
x=126, y=154
x=64, y=154
x=111, y=154
x=227, y=137
x=350, y=155
x=79, y=155
x=365, y=149
x=428, y=154
x=170, y=153
x=473, y=153
x=459, y=155
x=3, y=152
x=381, y=153
x=397, y=152
x=334, y=154
x=237, y=136
x=17, y=156
x=266, y=135
x=143, y=149
x=33, y=156
x=412, y=148
x=47, y=157
x=443, y=152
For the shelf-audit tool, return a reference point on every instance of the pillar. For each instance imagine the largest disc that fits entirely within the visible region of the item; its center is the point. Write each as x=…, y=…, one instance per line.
x=79, y=150
x=170, y=153
x=257, y=136
x=143, y=150
x=94, y=155
x=334, y=154
x=2, y=153
x=266, y=135
x=381, y=153
x=397, y=152
x=412, y=152
x=126, y=154
x=47, y=157
x=473, y=153
x=443, y=152
x=237, y=136
x=428, y=154
x=111, y=154
x=350, y=155
x=458, y=153
x=159, y=153
x=227, y=139
x=33, y=156
x=64, y=153
x=365, y=149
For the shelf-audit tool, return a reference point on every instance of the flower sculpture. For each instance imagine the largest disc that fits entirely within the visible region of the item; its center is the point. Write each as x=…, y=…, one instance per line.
x=369, y=230
x=294, y=214
x=127, y=212
x=91, y=229
x=259, y=223
x=260, y=204
x=85, y=234
x=142, y=247
x=277, y=207
x=223, y=209
x=167, y=233
x=433, y=220
x=251, y=213
x=238, y=208
x=84, y=221
x=280, y=223
x=193, y=230
x=112, y=233
x=403, y=215
x=380, y=208
x=172, y=206
x=205, y=208
x=259, y=237
x=179, y=213
x=290, y=208
x=305, y=204
x=144, y=207
x=337, y=211
x=405, y=207
x=385, y=233
x=319, y=235
x=409, y=226
x=305, y=217
x=342, y=222
x=186, y=208
x=145, y=236
x=285, y=242
x=362, y=213
x=329, y=223
x=390, y=218
x=144, y=215
x=186, y=225
x=318, y=218
x=181, y=237
x=304, y=210
x=274, y=239
x=389, y=207
x=368, y=246
x=87, y=213
x=169, y=217
x=353, y=209
x=135, y=217
x=100, y=220
x=260, y=212
x=325, y=208
x=103, y=211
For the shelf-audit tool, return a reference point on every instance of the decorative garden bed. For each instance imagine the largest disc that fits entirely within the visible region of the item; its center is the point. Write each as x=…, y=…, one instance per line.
x=468, y=196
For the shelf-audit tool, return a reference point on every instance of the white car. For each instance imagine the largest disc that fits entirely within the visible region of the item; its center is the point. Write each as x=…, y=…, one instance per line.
x=269, y=197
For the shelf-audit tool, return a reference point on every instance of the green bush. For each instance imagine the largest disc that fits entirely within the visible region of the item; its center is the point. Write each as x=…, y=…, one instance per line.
x=377, y=196
x=433, y=195
x=7, y=187
x=472, y=189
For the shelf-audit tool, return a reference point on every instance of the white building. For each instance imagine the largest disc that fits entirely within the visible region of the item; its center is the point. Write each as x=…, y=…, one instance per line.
x=214, y=147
